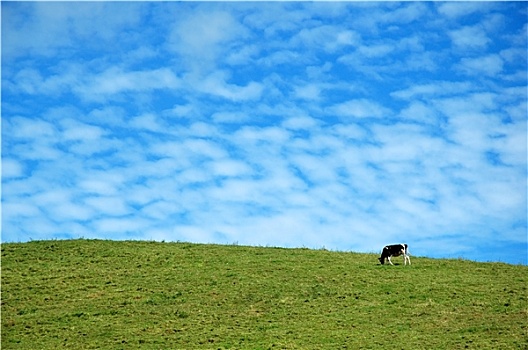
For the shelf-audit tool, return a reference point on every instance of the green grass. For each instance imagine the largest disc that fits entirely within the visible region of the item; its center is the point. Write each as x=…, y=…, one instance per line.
x=89, y=294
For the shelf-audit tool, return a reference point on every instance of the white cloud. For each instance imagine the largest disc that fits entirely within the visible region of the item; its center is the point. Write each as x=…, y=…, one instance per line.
x=300, y=123
x=182, y=111
x=375, y=50
x=230, y=117
x=203, y=130
x=203, y=148
x=40, y=150
x=229, y=168
x=469, y=37
x=313, y=168
x=20, y=210
x=472, y=103
x=404, y=142
x=28, y=81
x=121, y=228
x=12, y=168
x=202, y=44
x=30, y=128
x=319, y=72
x=405, y=14
x=70, y=211
x=216, y=84
x=114, y=81
x=75, y=131
x=251, y=136
x=512, y=145
x=148, y=121
x=419, y=112
x=439, y=88
x=47, y=29
x=282, y=57
x=489, y=65
x=360, y=108
x=459, y=9
x=512, y=56
x=308, y=92
x=331, y=38
x=93, y=87
x=98, y=187
x=52, y=197
x=350, y=132
x=236, y=192
x=243, y=55
x=105, y=205
x=160, y=210
x=193, y=176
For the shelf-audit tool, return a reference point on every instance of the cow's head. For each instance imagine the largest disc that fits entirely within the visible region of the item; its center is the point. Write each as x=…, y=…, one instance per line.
x=382, y=260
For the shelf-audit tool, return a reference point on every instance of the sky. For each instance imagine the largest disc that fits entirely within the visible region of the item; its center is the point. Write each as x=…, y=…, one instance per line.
x=328, y=125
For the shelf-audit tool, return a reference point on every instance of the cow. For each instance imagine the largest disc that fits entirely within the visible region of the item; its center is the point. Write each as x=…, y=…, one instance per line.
x=395, y=250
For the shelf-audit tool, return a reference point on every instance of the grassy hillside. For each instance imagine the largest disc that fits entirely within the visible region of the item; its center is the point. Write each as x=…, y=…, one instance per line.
x=85, y=294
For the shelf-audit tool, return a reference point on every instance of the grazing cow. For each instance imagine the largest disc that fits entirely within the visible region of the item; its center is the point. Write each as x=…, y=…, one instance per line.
x=395, y=250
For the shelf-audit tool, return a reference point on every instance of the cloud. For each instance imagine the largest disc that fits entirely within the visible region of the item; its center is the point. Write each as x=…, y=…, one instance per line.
x=93, y=87
x=469, y=37
x=300, y=123
x=456, y=10
x=230, y=168
x=216, y=84
x=360, y=108
x=201, y=45
x=12, y=168
x=75, y=131
x=21, y=210
x=110, y=206
x=405, y=14
x=243, y=55
x=308, y=92
x=489, y=65
x=97, y=186
x=122, y=228
x=439, y=88
x=147, y=122
x=50, y=29
x=420, y=112
x=282, y=57
x=230, y=117
x=375, y=50
x=330, y=38
x=114, y=81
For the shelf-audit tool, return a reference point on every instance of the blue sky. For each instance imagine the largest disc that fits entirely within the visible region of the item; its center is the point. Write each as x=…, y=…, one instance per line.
x=341, y=125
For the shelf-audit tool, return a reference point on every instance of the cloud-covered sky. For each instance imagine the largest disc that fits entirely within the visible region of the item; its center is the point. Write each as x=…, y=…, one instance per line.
x=339, y=125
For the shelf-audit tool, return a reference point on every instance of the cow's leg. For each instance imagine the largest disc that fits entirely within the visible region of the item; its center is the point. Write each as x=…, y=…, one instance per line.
x=388, y=258
x=405, y=258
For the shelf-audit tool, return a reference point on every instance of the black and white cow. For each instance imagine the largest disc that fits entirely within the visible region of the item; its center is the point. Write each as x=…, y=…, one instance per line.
x=395, y=250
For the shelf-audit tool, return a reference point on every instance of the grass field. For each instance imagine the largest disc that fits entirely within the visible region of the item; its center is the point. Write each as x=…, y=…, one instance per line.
x=91, y=294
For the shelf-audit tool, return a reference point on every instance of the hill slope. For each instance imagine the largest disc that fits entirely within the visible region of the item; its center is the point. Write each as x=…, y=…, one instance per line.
x=86, y=294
